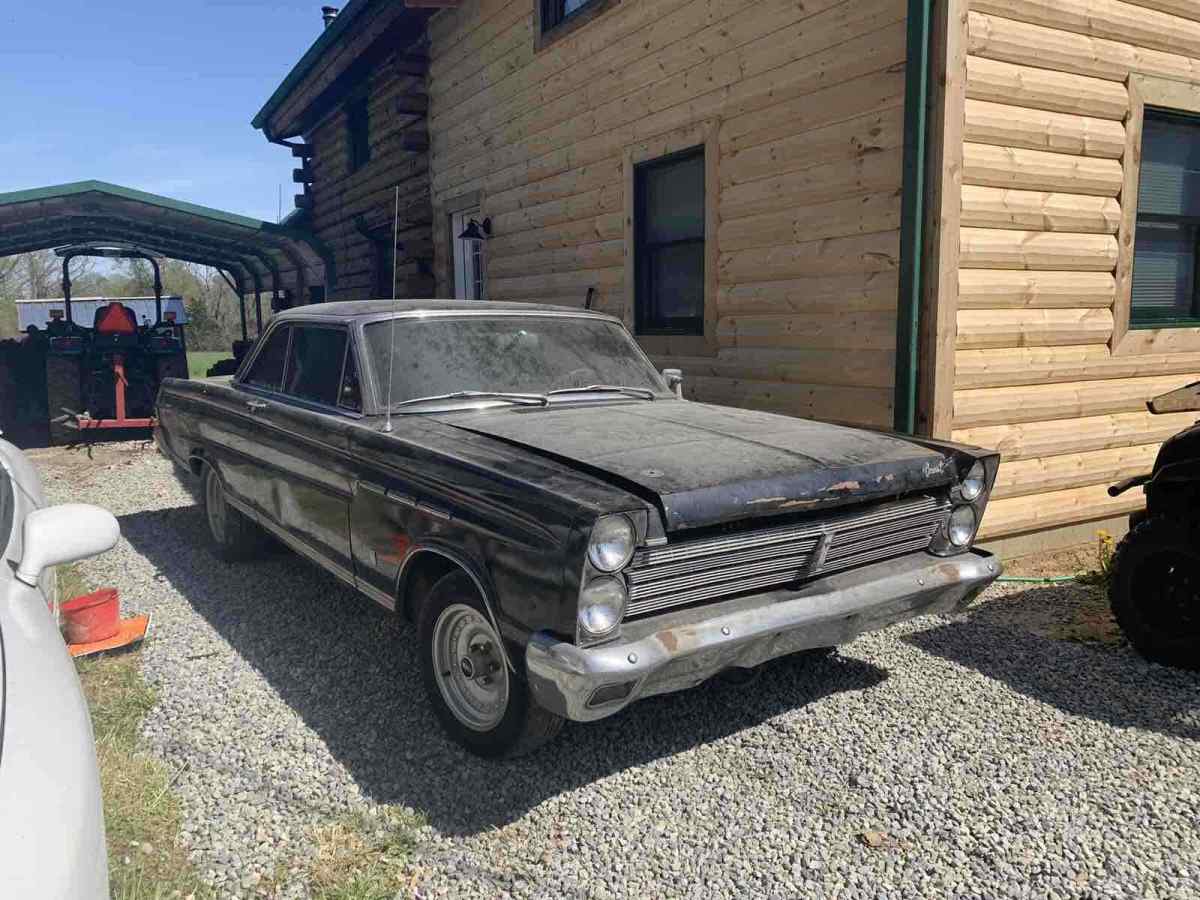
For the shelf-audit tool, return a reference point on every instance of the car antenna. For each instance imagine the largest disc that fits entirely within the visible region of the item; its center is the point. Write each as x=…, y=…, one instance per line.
x=387, y=426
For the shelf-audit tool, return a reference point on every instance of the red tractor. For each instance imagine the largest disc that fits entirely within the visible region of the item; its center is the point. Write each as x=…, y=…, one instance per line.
x=107, y=376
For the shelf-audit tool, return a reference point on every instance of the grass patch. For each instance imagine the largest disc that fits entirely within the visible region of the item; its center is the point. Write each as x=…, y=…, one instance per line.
x=70, y=582
x=365, y=856
x=141, y=815
x=199, y=361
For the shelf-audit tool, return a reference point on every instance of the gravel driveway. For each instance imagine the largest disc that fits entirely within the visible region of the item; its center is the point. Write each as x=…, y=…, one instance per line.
x=997, y=762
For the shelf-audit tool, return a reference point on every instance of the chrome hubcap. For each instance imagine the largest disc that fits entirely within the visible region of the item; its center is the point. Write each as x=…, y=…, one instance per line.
x=214, y=504
x=471, y=672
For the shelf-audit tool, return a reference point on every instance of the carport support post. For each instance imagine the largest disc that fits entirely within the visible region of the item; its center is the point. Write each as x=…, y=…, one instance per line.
x=66, y=287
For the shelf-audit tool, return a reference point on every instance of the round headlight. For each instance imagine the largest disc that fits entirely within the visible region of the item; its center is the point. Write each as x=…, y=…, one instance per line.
x=602, y=605
x=611, y=544
x=961, y=528
x=972, y=486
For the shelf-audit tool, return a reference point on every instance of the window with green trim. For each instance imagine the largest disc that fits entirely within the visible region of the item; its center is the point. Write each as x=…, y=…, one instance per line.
x=1165, y=290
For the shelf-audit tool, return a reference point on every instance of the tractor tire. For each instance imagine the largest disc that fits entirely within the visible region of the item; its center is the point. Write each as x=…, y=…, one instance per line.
x=1154, y=590
x=64, y=391
x=484, y=705
x=235, y=537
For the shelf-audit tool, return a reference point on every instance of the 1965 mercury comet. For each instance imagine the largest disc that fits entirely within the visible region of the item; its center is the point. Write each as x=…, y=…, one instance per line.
x=568, y=534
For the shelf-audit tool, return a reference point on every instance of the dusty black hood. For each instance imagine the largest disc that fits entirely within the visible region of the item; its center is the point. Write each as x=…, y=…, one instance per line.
x=710, y=464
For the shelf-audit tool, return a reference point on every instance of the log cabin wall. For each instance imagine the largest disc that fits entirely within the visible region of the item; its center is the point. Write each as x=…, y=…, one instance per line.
x=352, y=210
x=1046, y=368
x=800, y=110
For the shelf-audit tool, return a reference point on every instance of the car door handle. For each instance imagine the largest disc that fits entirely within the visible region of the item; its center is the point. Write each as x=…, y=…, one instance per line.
x=255, y=405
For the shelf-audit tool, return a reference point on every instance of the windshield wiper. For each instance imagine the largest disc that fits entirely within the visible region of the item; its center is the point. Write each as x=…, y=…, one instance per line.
x=520, y=399
x=643, y=393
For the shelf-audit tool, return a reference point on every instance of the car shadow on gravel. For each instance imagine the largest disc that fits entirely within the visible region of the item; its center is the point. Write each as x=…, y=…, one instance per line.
x=349, y=670
x=1000, y=639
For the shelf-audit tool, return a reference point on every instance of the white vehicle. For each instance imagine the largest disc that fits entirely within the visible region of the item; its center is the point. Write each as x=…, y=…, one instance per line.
x=51, y=821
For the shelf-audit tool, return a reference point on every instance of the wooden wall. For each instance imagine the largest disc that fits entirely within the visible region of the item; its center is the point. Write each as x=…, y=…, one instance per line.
x=1043, y=164
x=345, y=202
x=804, y=106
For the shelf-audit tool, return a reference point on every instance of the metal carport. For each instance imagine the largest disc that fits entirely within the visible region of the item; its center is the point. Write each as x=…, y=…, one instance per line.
x=256, y=256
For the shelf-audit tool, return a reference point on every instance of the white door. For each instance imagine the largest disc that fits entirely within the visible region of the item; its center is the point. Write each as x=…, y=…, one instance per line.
x=468, y=258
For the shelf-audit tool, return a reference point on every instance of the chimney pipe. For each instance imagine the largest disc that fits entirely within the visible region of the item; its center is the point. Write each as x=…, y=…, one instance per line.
x=328, y=14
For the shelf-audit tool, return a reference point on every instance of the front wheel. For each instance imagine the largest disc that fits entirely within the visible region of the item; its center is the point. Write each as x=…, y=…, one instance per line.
x=481, y=702
x=1155, y=591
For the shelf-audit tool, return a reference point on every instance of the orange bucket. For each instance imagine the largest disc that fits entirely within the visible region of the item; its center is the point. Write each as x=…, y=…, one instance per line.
x=92, y=617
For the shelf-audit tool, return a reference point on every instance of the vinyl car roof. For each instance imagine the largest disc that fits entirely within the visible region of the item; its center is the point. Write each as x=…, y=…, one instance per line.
x=359, y=309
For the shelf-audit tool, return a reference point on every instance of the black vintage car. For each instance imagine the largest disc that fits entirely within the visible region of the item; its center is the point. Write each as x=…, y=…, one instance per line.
x=568, y=534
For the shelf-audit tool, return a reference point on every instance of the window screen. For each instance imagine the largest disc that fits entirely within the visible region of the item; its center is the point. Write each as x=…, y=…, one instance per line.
x=358, y=128
x=267, y=371
x=1164, y=260
x=669, y=257
x=314, y=369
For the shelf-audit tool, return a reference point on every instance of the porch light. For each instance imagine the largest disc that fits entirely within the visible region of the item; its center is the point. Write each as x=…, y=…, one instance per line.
x=477, y=233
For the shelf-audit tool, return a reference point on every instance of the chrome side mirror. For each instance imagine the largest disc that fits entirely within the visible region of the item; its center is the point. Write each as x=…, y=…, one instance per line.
x=63, y=534
x=674, y=381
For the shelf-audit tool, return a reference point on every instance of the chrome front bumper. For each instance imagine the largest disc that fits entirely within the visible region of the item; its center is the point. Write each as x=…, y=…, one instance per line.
x=675, y=651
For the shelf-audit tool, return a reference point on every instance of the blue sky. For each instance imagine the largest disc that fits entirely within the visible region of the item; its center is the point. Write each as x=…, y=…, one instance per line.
x=155, y=96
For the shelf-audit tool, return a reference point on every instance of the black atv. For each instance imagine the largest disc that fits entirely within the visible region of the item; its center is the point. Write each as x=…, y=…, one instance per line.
x=1154, y=587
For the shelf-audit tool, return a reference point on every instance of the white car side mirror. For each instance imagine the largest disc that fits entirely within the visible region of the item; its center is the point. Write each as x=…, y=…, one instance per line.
x=63, y=534
x=674, y=379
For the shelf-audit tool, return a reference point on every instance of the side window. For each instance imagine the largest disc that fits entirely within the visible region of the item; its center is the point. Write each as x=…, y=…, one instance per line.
x=1166, y=286
x=669, y=250
x=314, y=368
x=350, y=393
x=267, y=371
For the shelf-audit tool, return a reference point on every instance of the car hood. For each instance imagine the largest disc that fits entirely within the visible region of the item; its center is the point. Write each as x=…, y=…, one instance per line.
x=709, y=464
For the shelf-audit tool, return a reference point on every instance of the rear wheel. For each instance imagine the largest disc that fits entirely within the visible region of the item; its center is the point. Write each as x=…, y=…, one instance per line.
x=1155, y=591
x=235, y=537
x=481, y=702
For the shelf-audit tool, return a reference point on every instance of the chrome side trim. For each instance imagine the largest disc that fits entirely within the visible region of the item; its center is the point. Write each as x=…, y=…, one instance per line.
x=388, y=603
x=293, y=542
x=466, y=567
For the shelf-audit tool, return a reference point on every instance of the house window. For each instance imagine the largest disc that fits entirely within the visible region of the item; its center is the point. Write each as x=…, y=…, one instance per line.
x=555, y=12
x=669, y=244
x=358, y=132
x=468, y=257
x=1164, y=290
x=557, y=18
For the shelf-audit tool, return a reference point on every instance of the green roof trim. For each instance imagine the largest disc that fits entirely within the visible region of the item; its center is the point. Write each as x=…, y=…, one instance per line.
x=327, y=39
x=74, y=188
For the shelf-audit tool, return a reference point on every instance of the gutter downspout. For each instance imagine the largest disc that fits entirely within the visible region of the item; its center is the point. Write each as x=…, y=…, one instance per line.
x=912, y=217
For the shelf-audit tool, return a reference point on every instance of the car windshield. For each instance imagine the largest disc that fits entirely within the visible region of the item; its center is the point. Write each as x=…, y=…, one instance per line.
x=505, y=354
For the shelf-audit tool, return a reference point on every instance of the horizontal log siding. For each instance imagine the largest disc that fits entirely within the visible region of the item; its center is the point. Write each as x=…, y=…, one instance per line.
x=807, y=102
x=1044, y=137
x=344, y=200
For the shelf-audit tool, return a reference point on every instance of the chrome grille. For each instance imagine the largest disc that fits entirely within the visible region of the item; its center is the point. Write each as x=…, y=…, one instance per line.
x=690, y=571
